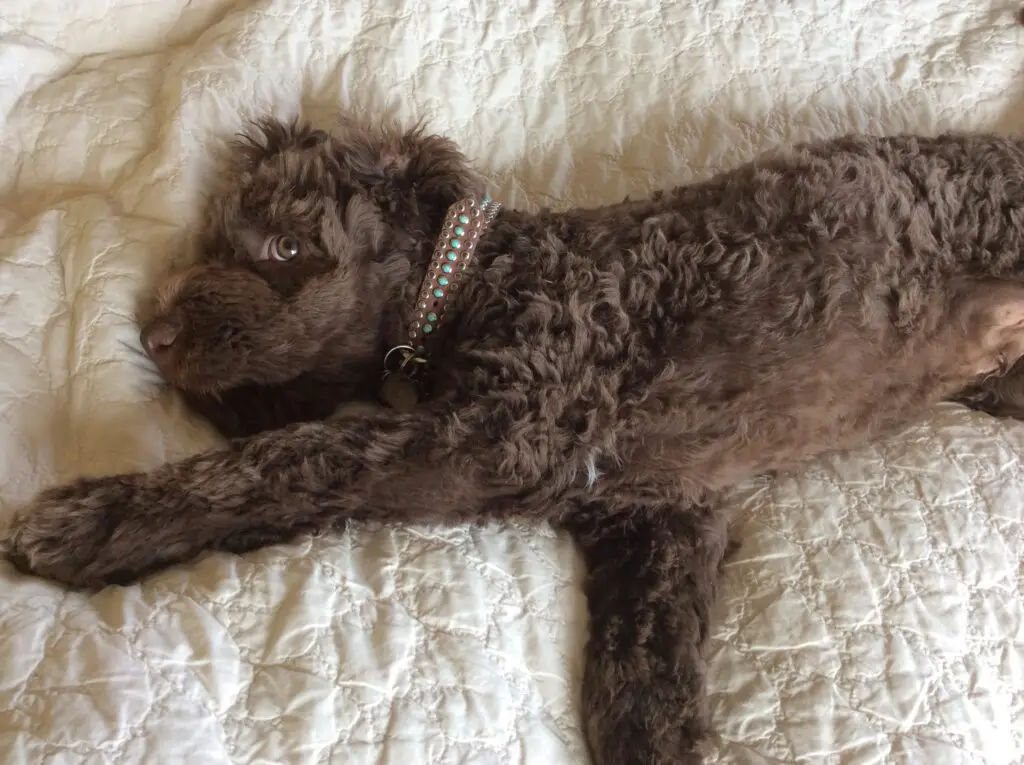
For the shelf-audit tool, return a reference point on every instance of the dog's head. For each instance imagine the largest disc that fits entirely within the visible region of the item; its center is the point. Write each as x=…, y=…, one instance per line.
x=309, y=236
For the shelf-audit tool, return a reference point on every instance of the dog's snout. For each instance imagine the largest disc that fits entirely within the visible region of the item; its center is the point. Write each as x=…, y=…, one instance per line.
x=160, y=335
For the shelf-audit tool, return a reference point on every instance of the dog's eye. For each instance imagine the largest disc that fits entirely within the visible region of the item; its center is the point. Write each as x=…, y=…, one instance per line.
x=282, y=248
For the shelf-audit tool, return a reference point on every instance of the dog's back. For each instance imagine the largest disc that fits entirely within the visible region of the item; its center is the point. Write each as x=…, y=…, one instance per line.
x=793, y=305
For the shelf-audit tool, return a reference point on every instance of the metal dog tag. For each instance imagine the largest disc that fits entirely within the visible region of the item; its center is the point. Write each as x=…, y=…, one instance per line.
x=399, y=388
x=399, y=392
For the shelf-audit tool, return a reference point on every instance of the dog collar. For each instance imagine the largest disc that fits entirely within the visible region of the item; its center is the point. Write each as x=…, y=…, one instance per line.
x=465, y=223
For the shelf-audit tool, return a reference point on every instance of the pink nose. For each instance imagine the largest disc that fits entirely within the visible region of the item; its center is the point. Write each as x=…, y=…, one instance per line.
x=159, y=336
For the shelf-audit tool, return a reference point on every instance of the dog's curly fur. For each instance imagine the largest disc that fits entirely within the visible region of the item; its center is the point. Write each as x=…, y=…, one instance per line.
x=609, y=370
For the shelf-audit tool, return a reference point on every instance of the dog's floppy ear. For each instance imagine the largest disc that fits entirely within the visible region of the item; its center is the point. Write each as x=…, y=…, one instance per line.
x=356, y=228
x=267, y=136
x=430, y=166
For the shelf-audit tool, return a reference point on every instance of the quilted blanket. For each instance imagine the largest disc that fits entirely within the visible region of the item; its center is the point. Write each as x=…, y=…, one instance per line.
x=875, y=612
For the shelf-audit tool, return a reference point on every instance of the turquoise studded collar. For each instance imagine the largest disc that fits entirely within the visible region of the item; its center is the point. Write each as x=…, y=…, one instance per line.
x=465, y=223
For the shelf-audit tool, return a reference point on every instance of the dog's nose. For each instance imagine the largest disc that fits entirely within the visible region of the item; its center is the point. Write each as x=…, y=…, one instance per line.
x=159, y=336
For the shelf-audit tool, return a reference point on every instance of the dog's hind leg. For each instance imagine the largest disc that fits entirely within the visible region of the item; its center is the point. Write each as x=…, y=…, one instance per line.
x=652, y=578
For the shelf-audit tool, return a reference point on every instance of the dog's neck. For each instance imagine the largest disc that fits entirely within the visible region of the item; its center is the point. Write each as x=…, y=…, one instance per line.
x=454, y=256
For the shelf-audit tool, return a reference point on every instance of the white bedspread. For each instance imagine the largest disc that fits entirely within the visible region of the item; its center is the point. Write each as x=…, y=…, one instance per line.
x=875, y=613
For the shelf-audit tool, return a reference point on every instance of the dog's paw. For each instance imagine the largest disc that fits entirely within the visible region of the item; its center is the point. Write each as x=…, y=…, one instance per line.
x=65, y=533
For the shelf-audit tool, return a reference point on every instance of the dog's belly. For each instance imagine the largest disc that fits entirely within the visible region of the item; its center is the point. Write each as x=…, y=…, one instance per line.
x=756, y=442
x=838, y=398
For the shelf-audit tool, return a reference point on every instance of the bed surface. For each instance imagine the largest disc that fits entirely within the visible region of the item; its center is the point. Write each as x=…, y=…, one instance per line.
x=875, y=613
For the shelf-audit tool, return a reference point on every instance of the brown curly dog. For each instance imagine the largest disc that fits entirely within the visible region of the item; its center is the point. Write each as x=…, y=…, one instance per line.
x=607, y=370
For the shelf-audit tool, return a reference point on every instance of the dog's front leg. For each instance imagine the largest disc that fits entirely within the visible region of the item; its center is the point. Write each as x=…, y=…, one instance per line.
x=652, y=576
x=262, y=490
